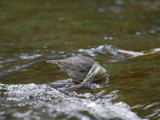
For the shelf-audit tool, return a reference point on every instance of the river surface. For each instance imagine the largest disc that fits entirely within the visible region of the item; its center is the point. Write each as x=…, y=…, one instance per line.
x=32, y=31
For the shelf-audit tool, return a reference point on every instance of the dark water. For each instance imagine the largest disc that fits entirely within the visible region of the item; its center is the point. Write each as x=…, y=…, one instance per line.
x=32, y=31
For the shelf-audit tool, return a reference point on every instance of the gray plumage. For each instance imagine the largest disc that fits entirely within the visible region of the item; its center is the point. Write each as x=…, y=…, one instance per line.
x=76, y=67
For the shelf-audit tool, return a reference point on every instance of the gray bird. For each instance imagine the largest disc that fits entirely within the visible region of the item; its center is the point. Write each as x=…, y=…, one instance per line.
x=76, y=67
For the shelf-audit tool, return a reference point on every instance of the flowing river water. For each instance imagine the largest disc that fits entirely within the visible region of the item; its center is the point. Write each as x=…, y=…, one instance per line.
x=32, y=31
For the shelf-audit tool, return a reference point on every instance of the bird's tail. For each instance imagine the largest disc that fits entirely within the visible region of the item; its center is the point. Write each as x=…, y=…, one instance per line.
x=51, y=61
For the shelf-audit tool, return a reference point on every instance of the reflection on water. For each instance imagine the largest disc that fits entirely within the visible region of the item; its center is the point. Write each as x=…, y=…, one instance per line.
x=122, y=35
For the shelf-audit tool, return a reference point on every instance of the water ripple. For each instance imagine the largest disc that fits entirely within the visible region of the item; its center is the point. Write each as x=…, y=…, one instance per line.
x=18, y=67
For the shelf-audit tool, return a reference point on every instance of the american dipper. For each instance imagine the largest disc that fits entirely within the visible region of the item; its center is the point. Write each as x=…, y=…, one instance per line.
x=76, y=67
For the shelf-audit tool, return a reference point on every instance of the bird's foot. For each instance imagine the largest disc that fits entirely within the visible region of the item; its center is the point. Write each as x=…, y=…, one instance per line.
x=76, y=81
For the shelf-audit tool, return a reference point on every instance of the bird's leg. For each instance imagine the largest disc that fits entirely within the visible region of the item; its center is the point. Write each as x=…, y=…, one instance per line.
x=71, y=80
x=76, y=81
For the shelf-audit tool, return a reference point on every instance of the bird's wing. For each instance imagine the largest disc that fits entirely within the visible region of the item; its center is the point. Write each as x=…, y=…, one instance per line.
x=76, y=65
x=84, y=63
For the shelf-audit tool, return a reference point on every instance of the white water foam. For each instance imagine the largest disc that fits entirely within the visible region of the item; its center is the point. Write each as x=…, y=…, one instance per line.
x=51, y=103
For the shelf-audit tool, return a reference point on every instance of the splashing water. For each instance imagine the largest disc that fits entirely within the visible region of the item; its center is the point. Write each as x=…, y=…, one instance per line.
x=44, y=102
x=96, y=73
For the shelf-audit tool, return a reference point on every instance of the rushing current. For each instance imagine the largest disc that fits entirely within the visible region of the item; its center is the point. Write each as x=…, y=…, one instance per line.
x=56, y=100
x=42, y=101
x=122, y=36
